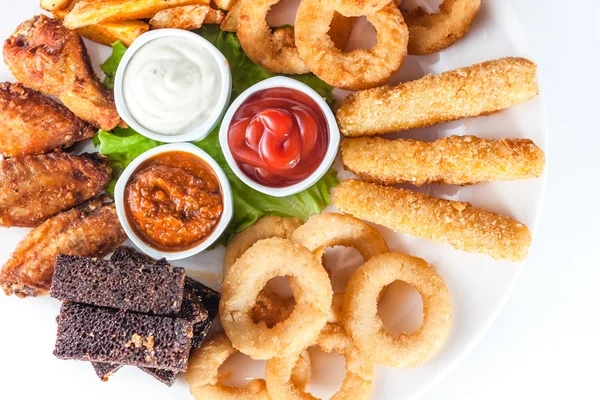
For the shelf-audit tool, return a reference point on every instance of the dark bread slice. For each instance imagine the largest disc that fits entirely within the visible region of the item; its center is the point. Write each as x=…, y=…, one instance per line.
x=194, y=292
x=151, y=287
x=91, y=333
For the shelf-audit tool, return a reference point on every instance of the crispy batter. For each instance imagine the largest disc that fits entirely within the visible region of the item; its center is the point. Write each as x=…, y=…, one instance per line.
x=459, y=224
x=480, y=89
x=366, y=328
x=92, y=230
x=31, y=123
x=430, y=33
x=44, y=55
x=264, y=228
x=89, y=12
x=358, y=69
x=184, y=17
x=357, y=8
x=34, y=188
x=455, y=160
x=357, y=383
x=259, y=44
x=204, y=379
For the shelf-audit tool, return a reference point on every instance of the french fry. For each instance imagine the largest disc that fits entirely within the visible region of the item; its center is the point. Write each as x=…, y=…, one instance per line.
x=107, y=33
x=184, y=17
x=214, y=17
x=225, y=4
x=51, y=5
x=231, y=21
x=90, y=12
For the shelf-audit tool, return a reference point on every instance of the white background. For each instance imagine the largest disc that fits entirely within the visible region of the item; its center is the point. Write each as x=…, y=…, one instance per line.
x=546, y=342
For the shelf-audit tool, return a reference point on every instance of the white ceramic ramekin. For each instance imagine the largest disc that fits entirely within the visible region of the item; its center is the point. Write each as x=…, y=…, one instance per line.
x=225, y=191
x=198, y=133
x=332, y=149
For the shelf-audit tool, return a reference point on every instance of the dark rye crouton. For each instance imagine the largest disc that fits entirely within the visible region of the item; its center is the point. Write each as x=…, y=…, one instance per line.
x=106, y=335
x=151, y=287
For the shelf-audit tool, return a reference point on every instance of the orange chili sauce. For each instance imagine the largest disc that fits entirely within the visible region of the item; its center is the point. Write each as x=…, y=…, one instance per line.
x=173, y=201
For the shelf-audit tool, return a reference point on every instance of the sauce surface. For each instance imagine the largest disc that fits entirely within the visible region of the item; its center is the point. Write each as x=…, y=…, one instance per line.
x=171, y=85
x=278, y=136
x=173, y=201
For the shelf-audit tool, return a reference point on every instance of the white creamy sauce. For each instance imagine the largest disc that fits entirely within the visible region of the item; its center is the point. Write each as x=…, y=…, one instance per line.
x=171, y=85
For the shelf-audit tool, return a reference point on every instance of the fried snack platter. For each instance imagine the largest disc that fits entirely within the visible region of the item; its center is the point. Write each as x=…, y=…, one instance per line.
x=478, y=285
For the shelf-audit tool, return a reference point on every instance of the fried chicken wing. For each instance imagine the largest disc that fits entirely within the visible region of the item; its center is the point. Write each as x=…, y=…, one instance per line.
x=46, y=56
x=92, y=230
x=34, y=188
x=31, y=123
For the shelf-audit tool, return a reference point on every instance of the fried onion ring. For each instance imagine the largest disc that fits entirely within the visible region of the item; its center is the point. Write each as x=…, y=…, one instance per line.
x=358, y=69
x=258, y=42
x=430, y=33
x=342, y=230
x=359, y=371
x=266, y=227
x=203, y=373
x=366, y=328
x=310, y=285
x=356, y=8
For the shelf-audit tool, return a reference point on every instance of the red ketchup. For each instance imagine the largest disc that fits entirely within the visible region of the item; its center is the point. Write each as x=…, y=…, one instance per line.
x=278, y=136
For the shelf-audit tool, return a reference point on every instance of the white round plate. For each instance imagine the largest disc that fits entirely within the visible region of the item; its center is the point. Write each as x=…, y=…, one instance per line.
x=479, y=285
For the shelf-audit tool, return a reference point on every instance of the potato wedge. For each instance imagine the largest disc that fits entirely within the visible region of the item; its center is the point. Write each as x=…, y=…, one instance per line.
x=231, y=20
x=184, y=17
x=90, y=12
x=214, y=17
x=51, y=5
x=109, y=32
x=225, y=4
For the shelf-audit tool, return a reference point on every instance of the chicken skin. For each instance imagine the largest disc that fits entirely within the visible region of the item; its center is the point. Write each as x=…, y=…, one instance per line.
x=46, y=56
x=34, y=188
x=92, y=230
x=31, y=123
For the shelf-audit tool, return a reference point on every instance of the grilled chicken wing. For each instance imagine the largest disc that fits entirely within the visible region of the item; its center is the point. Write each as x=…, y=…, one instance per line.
x=34, y=188
x=31, y=123
x=92, y=230
x=46, y=56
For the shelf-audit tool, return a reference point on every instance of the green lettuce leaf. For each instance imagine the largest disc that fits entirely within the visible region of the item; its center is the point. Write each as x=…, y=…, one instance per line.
x=122, y=146
x=112, y=63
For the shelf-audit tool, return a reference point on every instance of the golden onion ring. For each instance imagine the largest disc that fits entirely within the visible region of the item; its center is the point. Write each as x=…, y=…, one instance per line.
x=358, y=69
x=267, y=259
x=430, y=33
x=366, y=328
x=359, y=370
x=266, y=227
x=341, y=230
x=203, y=373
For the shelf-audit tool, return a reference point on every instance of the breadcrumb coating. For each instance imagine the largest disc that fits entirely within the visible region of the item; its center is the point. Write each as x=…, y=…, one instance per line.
x=430, y=33
x=455, y=160
x=458, y=224
x=480, y=89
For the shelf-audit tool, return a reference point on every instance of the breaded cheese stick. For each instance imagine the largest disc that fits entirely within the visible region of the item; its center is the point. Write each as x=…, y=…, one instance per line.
x=480, y=89
x=455, y=160
x=458, y=224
